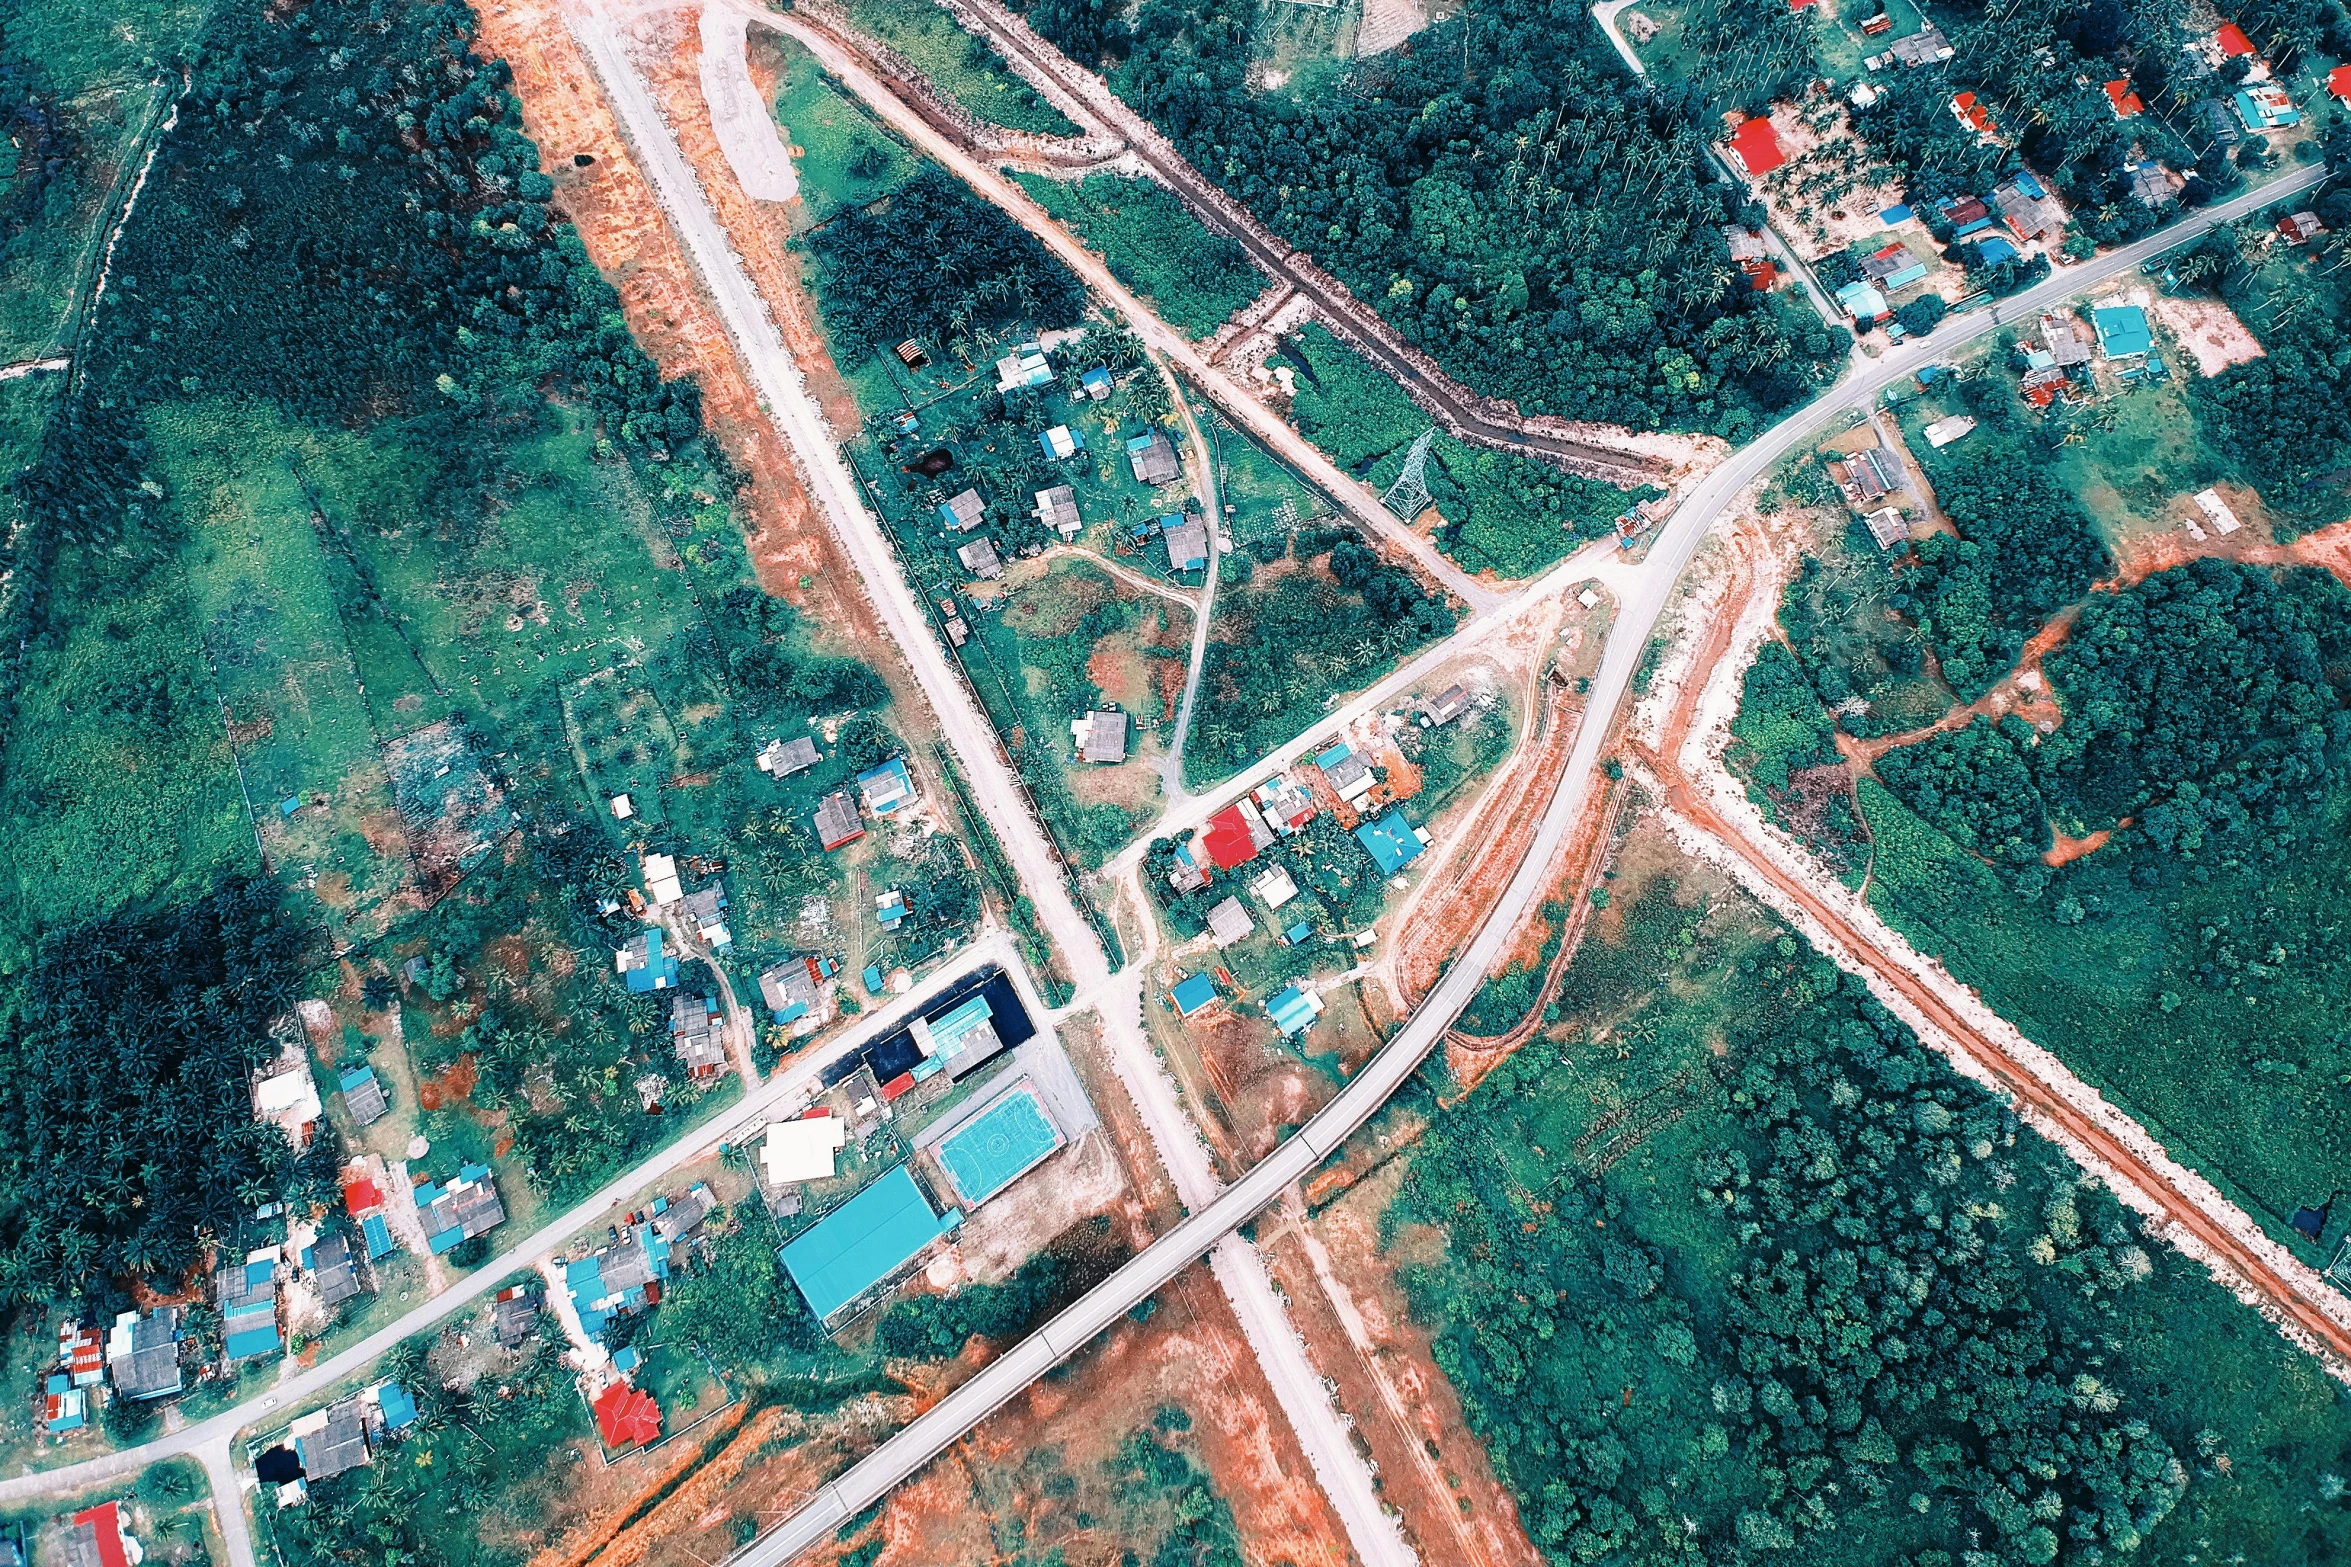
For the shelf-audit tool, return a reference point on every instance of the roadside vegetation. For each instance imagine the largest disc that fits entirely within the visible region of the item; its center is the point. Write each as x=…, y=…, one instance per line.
x=1705, y=1264
x=1192, y=279
x=1504, y=198
x=961, y=66
x=1509, y=515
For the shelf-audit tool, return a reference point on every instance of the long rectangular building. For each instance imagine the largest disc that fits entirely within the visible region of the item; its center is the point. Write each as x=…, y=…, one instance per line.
x=862, y=1242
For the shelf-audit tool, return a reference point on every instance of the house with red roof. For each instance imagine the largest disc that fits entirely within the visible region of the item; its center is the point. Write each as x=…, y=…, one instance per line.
x=100, y=1539
x=1972, y=114
x=2232, y=41
x=2339, y=82
x=626, y=1415
x=1757, y=147
x=1232, y=836
x=2126, y=103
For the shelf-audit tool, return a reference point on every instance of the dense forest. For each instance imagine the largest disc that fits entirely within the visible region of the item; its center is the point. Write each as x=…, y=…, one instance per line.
x=124, y=1065
x=1508, y=201
x=2204, y=703
x=936, y=263
x=2025, y=548
x=1852, y=1311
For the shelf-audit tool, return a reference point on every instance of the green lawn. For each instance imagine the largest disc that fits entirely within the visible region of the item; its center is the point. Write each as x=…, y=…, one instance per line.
x=960, y=65
x=845, y=157
x=1192, y=279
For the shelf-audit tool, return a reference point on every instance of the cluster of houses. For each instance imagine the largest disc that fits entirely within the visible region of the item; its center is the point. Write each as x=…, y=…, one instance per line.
x=2058, y=362
x=344, y=1436
x=885, y=791
x=1341, y=779
x=136, y=1359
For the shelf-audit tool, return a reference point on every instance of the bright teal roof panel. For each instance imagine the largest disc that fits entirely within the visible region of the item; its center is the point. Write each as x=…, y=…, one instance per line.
x=1193, y=993
x=861, y=1243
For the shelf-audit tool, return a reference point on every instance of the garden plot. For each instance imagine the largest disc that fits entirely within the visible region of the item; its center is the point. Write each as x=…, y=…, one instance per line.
x=450, y=805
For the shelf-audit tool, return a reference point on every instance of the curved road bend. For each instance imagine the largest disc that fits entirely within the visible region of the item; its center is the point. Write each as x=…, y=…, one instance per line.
x=780, y=1093
x=1243, y=409
x=1446, y=400
x=944, y=1422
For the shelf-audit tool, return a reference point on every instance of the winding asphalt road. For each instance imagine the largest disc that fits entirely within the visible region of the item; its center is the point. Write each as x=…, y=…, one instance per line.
x=944, y=1422
x=1211, y=1222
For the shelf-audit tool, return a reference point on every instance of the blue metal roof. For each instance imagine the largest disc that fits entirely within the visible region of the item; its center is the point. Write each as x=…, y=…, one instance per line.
x=1391, y=841
x=378, y=1236
x=251, y=1343
x=398, y=1404
x=1333, y=757
x=1291, y=1009
x=1991, y=250
x=861, y=1243
x=1192, y=993
x=2122, y=331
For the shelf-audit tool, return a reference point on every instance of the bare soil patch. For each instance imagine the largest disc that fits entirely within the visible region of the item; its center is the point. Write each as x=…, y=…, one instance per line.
x=2208, y=329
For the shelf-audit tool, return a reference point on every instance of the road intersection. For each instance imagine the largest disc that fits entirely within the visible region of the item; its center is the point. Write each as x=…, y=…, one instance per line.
x=1214, y=1212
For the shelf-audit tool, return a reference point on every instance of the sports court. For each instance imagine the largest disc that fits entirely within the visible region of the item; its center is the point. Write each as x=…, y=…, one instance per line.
x=999, y=1145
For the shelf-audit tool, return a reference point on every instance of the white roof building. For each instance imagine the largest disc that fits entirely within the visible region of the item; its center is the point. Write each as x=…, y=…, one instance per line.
x=1275, y=886
x=803, y=1150
x=661, y=880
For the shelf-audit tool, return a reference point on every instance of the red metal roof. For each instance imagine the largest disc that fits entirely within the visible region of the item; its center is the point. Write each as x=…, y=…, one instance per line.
x=1758, y=147
x=624, y=1414
x=2233, y=41
x=2126, y=103
x=108, y=1527
x=2339, y=82
x=1971, y=113
x=897, y=1085
x=360, y=1197
x=1228, y=839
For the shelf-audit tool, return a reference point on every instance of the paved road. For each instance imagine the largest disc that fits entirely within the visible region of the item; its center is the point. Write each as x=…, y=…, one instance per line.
x=793, y=1085
x=914, y=1446
x=967, y=731
x=1243, y=409
x=1208, y=480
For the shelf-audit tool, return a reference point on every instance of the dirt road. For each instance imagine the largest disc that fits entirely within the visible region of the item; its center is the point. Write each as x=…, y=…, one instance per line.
x=2049, y=1097
x=1483, y=421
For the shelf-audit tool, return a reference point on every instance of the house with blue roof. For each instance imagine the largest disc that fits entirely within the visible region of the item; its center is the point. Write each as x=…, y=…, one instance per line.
x=1992, y=249
x=2122, y=331
x=398, y=1405
x=642, y=964
x=1293, y=1010
x=1192, y=993
x=956, y=1040
x=890, y=910
x=888, y=788
x=1062, y=441
x=1095, y=383
x=619, y=1280
x=457, y=1212
x=1392, y=840
x=248, y=1302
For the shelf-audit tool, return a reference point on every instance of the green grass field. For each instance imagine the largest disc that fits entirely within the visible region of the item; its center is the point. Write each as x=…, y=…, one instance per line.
x=1192, y=279
x=845, y=158
x=959, y=65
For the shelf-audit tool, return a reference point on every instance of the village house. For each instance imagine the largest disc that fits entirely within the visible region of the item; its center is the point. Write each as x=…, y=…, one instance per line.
x=1057, y=509
x=1346, y=770
x=143, y=1353
x=514, y=1316
x=2032, y=214
x=1886, y=527
x=1100, y=737
x=799, y=992
x=1187, y=544
x=1228, y=922
x=888, y=789
x=962, y=512
x=1026, y=367
x=101, y=1537
x=1755, y=147
x=334, y=1273
x=642, y=964
x=697, y=1034
x=783, y=758
x=1448, y=705
x=459, y=1211
x=837, y=822
x=1284, y=803
x=1192, y=994
x=1061, y=441
x=979, y=557
x=1153, y=458
x=803, y=1150
x=284, y=1093
x=363, y=1094
x=247, y=1299
x=1293, y=1009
